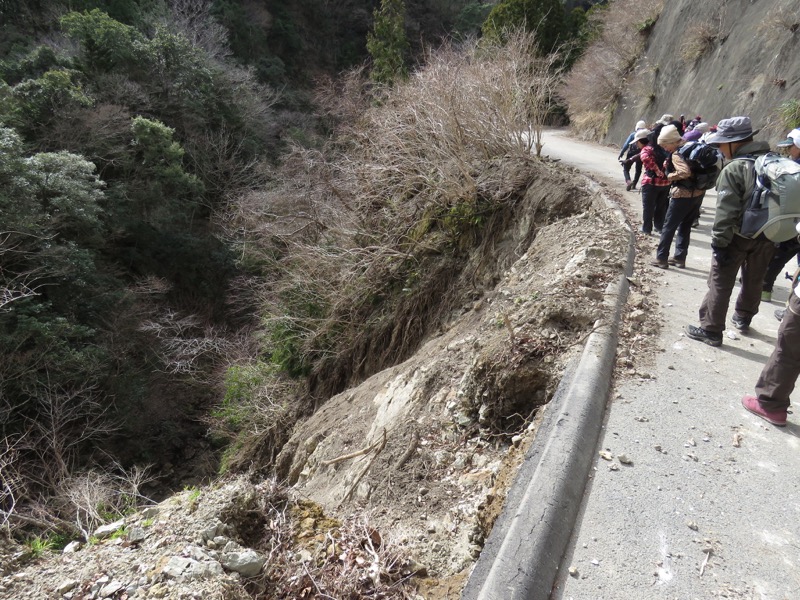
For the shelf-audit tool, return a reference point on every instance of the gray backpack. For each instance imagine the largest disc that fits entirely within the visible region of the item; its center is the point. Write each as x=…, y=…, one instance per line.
x=773, y=208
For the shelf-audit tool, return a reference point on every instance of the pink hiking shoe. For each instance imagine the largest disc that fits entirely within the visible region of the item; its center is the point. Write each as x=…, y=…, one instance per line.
x=776, y=417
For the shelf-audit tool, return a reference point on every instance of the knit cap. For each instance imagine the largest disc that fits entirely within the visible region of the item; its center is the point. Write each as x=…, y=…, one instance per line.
x=669, y=135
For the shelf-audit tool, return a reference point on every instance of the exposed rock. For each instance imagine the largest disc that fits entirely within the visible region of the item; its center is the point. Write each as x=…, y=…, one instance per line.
x=247, y=563
x=105, y=531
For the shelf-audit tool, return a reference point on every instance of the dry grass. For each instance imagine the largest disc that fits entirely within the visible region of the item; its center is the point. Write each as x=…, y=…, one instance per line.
x=698, y=41
x=310, y=555
x=599, y=78
x=781, y=18
x=418, y=171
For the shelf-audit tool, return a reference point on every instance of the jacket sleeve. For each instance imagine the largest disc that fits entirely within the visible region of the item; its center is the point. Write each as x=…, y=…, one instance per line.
x=625, y=146
x=682, y=170
x=731, y=197
x=649, y=162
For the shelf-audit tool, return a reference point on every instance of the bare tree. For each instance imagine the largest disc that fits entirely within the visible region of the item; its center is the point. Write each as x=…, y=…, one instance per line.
x=15, y=283
x=12, y=483
x=194, y=20
x=59, y=424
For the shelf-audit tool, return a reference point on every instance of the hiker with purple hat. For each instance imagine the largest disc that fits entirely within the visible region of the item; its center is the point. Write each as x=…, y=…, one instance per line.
x=731, y=250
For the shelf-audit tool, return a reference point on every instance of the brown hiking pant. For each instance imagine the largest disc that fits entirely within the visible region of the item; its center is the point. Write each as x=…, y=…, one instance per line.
x=753, y=257
x=779, y=375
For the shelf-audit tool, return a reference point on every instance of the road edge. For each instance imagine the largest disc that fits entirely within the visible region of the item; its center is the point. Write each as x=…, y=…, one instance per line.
x=521, y=556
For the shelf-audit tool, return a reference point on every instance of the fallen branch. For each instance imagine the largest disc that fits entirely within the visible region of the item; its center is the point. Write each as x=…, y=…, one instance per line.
x=364, y=472
x=412, y=447
x=363, y=451
x=705, y=561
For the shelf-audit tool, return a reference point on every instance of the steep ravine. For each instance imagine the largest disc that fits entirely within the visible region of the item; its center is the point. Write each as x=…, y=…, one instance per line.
x=420, y=454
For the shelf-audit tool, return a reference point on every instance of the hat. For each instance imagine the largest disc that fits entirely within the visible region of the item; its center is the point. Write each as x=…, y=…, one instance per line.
x=792, y=140
x=702, y=127
x=734, y=129
x=669, y=135
x=641, y=125
x=641, y=135
x=665, y=119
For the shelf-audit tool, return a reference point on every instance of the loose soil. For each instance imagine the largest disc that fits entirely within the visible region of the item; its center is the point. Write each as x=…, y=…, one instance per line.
x=419, y=457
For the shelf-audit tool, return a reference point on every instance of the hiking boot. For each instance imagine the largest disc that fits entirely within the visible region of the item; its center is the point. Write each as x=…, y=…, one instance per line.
x=681, y=264
x=661, y=264
x=776, y=417
x=701, y=335
x=628, y=186
x=779, y=313
x=740, y=323
x=766, y=296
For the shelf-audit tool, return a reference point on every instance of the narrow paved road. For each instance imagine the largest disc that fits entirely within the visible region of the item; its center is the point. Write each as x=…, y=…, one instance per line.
x=710, y=507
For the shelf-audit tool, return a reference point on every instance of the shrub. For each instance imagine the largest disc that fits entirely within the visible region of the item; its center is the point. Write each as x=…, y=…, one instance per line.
x=789, y=114
x=698, y=41
x=780, y=18
x=349, y=228
x=601, y=75
x=387, y=43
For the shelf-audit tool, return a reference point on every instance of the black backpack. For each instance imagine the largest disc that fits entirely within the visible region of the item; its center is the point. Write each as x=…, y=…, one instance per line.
x=659, y=154
x=705, y=163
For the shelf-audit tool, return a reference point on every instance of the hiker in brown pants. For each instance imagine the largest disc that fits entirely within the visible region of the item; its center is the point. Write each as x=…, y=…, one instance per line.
x=731, y=250
x=779, y=375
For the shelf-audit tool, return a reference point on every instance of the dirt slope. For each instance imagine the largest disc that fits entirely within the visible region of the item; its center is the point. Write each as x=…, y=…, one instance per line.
x=435, y=468
x=418, y=456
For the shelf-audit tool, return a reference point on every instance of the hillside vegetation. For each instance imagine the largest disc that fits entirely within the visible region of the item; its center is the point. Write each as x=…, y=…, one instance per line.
x=207, y=230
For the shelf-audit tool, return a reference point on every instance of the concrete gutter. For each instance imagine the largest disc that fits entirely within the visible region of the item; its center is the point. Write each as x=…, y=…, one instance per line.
x=522, y=555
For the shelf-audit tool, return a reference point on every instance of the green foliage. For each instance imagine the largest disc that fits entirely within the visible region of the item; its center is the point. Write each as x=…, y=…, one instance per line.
x=469, y=20
x=789, y=114
x=242, y=385
x=107, y=43
x=33, y=104
x=544, y=17
x=38, y=545
x=387, y=43
x=646, y=26
x=287, y=339
x=164, y=193
x=32, y=65
x=119, y=533
x=193, y=497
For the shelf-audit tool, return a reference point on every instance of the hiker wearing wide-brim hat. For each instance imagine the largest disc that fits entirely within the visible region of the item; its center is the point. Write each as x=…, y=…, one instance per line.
x=730, y=249
x=735, y=129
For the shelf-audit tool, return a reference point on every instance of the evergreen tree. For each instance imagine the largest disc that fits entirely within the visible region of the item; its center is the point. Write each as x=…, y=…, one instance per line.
x=387, y=43
x=546, y=18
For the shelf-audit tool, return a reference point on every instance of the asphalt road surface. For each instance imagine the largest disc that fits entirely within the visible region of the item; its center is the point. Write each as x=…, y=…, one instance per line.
x=710, y=506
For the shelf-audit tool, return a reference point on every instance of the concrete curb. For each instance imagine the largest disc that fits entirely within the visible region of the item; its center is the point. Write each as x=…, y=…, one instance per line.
x=522, y=555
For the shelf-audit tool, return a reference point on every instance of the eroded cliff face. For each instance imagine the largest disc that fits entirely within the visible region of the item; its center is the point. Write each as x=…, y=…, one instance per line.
x=716, y=59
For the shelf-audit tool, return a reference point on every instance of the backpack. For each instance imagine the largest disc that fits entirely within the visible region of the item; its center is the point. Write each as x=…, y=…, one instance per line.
x=705, y=163
x=659, y=154
x=773, y=208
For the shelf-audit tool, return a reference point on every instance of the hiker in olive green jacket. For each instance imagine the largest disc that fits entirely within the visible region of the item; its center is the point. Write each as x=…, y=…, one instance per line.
x=730, y=250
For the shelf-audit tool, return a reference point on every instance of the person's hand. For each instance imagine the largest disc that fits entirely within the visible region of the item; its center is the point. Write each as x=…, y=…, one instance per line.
x=721, y=255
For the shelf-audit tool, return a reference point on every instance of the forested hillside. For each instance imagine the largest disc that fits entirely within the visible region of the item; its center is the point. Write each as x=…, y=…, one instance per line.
x=165, y=180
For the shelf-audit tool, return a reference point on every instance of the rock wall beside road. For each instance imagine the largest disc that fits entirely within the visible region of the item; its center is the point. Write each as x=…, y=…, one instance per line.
x=751, y=67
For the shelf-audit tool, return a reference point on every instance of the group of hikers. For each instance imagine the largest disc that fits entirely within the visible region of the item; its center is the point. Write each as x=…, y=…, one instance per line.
x=754, y=232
